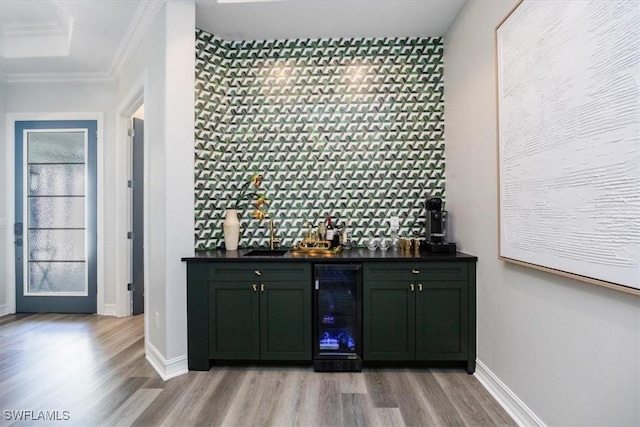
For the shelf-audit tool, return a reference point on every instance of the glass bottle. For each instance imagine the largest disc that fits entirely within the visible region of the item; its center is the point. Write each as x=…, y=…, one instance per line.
x=346, y=239
x=330, y=232
x=322, y=231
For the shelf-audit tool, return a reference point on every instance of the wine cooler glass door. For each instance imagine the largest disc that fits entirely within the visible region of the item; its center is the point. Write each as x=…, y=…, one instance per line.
x=337, y=310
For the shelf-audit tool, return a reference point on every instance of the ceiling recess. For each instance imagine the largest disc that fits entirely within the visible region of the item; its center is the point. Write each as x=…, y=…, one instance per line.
x=46, y=32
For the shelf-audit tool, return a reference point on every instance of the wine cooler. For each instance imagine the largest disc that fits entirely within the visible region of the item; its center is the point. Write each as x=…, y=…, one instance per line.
x=337, y=342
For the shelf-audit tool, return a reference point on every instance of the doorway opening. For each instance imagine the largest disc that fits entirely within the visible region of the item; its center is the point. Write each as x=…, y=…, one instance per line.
x=132, y=107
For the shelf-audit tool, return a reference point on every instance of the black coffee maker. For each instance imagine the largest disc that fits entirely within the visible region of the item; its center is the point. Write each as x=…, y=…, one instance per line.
x=436, y=227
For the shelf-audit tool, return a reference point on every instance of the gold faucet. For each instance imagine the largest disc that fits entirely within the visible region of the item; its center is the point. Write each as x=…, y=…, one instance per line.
x=272, y=238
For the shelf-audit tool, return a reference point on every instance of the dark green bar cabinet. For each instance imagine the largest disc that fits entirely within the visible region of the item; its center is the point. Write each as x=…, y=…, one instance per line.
x=416, y=307
x=419, y=311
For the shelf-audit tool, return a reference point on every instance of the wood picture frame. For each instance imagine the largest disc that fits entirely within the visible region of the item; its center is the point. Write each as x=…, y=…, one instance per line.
x=568, y=135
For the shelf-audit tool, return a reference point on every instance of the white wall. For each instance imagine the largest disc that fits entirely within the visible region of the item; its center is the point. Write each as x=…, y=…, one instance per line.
x=165, y=60
x=49, y=100
x=148, y=60
x=180, y=155
x=568, y=350
x=4, y=230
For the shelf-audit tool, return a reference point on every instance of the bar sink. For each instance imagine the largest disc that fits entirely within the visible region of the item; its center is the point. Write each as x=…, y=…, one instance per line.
x=266, y=252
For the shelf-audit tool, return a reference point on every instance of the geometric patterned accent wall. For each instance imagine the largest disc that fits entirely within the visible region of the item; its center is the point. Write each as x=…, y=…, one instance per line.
x=351, y=128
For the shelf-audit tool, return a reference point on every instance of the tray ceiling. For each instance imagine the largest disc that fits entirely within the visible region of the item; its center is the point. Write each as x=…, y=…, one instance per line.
x=63, y=40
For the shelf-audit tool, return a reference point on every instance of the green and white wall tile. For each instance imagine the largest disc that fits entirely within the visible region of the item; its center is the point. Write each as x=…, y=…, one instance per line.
x=351, y=128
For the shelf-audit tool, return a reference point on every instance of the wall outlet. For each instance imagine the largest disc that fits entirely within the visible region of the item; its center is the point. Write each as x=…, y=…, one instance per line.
x=157, y=320
x=394, y=223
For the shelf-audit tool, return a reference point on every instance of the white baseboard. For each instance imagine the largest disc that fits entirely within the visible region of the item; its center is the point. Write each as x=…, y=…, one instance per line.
x=4, y=310
x=515, y=407
x=167, y=369
x=108, y=310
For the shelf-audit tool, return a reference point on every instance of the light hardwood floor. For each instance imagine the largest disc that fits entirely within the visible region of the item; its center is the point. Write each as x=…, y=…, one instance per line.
x=90, y=370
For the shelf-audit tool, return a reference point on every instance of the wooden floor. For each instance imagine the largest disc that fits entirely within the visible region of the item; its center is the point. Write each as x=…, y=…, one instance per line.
x=90, y=370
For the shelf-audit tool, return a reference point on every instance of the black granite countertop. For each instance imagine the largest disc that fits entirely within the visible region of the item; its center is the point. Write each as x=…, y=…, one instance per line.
x=356, y=254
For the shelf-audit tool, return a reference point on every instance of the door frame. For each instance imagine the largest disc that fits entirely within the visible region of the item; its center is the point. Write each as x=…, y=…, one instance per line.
x=9, y=178
x=126, y=109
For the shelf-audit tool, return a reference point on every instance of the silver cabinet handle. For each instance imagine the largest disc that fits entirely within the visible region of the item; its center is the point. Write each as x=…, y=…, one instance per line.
x=254, y=287
x=258, y=272
x=413, y=271
x=261, y=287
x=420, y=287
x=412, y=287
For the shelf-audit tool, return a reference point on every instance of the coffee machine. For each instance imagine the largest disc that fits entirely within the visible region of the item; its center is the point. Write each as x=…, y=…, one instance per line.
x=436, y=227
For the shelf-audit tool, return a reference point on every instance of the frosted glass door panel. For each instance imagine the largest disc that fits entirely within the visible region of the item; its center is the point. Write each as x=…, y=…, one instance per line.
x=56, y=212
x=56, y=245
x=55, y=181
x=57, y=277
x=56, y=147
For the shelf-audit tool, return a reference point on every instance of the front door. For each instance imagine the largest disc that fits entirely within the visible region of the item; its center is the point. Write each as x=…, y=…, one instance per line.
x=55, y=229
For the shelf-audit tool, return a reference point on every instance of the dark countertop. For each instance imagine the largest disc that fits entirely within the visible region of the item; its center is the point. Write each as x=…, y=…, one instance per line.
x=356, y=254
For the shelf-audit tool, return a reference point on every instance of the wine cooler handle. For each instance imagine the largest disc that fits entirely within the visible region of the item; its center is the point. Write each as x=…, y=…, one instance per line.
x=254, y=287
x=412, y=287
x=420, y=287
x=261, y=287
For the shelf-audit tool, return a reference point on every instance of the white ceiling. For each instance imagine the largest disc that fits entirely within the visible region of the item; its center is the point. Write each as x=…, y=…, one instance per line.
x=48, y=40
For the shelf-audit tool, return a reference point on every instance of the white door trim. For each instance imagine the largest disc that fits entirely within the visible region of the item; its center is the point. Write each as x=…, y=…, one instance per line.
x=9, y=178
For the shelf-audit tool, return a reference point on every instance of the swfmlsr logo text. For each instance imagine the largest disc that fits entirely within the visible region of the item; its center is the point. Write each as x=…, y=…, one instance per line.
x=30, y=415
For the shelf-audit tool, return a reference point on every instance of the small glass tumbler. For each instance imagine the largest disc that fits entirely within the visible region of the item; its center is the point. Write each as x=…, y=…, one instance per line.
x=384, y=243
x=372, y=244
x=395, y=240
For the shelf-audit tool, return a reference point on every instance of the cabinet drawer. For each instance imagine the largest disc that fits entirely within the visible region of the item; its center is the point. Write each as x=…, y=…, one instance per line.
x=264, y=271
x=424, y=271
x=446, y=271
x=392, y=271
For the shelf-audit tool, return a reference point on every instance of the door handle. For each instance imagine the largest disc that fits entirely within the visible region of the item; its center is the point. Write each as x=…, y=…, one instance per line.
x=420, y=287
x=254, y=287
x=412, y=287
x=261, y=287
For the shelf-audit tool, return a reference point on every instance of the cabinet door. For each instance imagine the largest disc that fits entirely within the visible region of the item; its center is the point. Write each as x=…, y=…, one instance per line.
x=442, y=320
x=234, y=324
x=285, y=320
x=388, y=309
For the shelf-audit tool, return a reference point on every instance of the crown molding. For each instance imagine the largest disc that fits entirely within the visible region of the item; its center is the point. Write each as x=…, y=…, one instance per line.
x=42, y=29
x=57, y=78
x=142, y=19
x=144, y=16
